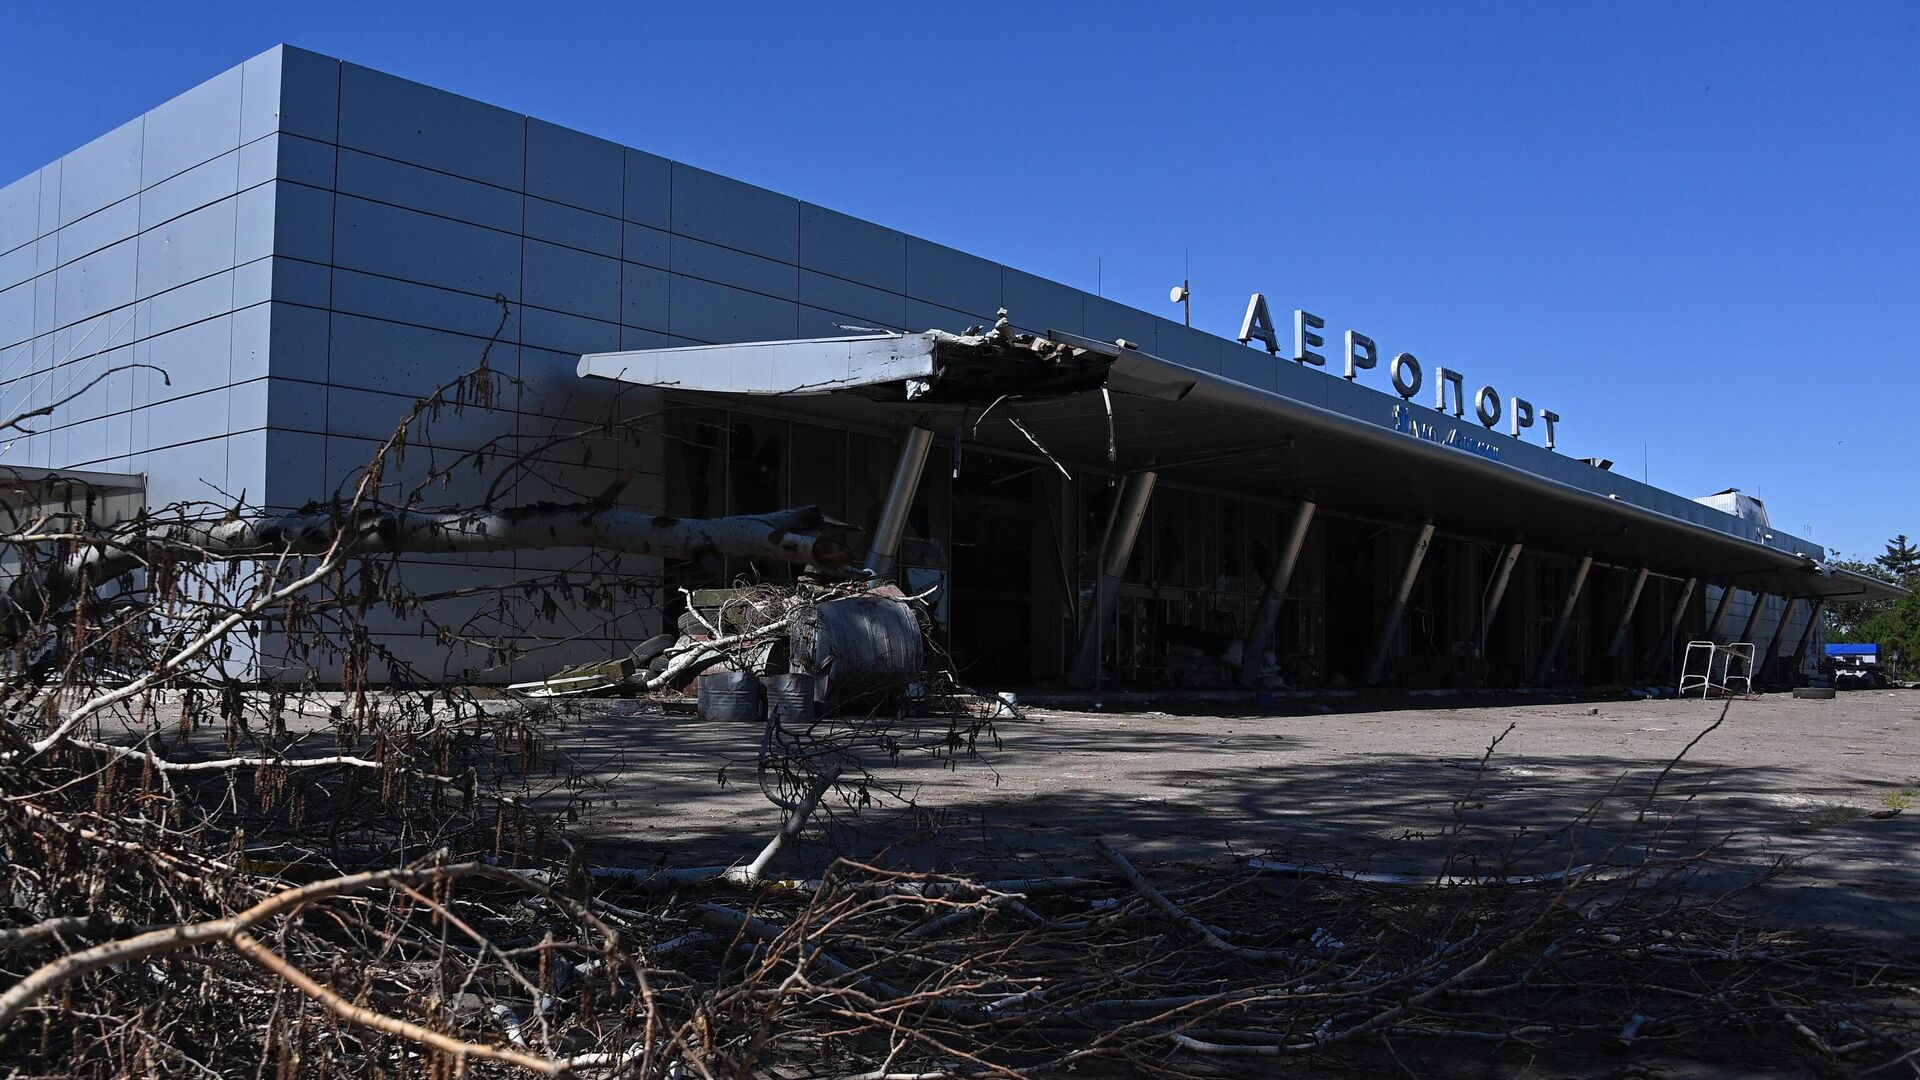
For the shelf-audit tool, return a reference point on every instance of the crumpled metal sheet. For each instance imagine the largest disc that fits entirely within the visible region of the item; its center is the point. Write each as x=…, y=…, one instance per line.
x=858, y=649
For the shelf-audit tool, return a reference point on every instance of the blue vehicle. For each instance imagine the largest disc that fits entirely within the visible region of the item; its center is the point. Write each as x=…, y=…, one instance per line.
x=1856, y=667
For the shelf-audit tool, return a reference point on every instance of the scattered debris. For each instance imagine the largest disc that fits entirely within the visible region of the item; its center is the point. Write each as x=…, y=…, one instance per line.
x=601, y=678
x=860, y=646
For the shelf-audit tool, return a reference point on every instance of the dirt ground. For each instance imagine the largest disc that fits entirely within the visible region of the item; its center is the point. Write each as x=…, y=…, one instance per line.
x=1806, y=814
x=1365, y=783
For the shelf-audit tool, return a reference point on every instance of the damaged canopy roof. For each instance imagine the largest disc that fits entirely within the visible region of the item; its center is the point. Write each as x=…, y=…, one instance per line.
x=931, y=369
x=1103, y=407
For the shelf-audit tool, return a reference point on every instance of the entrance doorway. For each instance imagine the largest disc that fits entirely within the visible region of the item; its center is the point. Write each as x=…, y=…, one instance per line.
x=995, y=507
x=1354, y=603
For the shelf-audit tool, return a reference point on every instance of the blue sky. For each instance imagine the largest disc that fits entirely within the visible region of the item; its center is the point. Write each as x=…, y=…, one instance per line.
x=1689, y=229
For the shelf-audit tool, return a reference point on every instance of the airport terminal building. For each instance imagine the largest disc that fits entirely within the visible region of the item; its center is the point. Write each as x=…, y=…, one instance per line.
x=305, y=247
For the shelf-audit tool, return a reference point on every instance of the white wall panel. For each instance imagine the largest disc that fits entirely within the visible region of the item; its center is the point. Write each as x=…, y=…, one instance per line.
x=98, y=174
x=389, y=116
x=97, y=283
x=569, y=167
x=20, y=212
x=419, y=247
x=195, y=127
x=203, y=185
x=187, y=248
x=98, y=230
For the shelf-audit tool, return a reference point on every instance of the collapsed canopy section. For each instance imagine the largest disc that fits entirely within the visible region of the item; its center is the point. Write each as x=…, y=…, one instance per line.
x=40, y=500
x=1098, y=407
x=927, y=370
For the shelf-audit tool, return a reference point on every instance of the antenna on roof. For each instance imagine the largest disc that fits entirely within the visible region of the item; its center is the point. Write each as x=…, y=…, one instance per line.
x=1182, y=293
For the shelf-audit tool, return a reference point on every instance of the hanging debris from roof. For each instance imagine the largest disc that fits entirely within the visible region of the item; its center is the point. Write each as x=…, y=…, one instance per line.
x=979, y=369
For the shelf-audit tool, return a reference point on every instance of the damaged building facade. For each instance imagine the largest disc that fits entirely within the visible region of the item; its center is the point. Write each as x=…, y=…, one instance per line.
x=1096, y=494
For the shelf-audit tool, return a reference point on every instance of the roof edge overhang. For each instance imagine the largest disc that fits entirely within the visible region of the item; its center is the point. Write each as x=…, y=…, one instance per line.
x=904, y=367
x=1866, y=586
x=1754, y=559
x=17, y=478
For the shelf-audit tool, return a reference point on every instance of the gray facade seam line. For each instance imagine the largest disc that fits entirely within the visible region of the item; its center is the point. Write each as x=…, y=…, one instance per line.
x=524, y=305
x=133, y=309
x=625, y=162
x=237, y=191
x=272, y=231
x=799, y=264
x=333, y=257
x=138, y=299
x=336, y=194
x=626, y=182
x=133, y=409
x=520, y=325
x=142, y=190
x=212, y=389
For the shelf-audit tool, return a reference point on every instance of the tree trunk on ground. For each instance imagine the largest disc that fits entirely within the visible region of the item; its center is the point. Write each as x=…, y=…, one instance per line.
x=783, y=536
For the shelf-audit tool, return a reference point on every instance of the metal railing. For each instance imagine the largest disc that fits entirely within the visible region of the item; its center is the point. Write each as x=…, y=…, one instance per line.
x=1712, y=668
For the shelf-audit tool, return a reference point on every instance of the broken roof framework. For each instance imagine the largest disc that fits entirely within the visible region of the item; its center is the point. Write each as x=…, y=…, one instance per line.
x=30, y=497
x=1106, y=408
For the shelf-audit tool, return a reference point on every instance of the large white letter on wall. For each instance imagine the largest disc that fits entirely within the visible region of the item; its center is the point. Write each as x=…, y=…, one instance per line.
x=1258, y=325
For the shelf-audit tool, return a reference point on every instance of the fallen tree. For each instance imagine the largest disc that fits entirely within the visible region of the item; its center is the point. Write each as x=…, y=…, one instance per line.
x=200, y=889
x=490, y=960
x=177, y=536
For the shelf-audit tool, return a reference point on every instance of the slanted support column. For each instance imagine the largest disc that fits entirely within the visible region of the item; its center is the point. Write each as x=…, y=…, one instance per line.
x=1753, y=622
x=1806, y=635
x=1496, y=592
x=1626, y=613
x=1673, y=625
x=1552, y=653
x=1390, y=621
x=1720, y=610
x=1116, y=549
x=1763, y=658
x=914, y=444
x=1260, y=634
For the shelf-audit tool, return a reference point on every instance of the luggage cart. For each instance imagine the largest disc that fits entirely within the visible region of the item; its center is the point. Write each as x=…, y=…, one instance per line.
x=1712, y=668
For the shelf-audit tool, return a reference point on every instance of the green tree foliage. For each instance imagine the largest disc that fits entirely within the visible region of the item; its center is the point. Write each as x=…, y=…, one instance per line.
x=1902, y=559
x=1894, y=625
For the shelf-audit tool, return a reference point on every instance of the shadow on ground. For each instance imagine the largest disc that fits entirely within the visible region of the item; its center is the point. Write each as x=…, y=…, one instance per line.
x=1311, y=789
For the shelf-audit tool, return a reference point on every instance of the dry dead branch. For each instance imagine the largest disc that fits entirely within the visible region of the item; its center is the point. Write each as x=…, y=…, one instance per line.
x=209, y=875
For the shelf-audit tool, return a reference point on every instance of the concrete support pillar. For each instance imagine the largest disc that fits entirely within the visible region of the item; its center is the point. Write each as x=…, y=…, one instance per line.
x=1753, y=622
x=1626, y=613
x=1397, y=608
x=1806, y=635
x=1260, y=634
x=914, y=444
x=1496, y=592
x=1673, y=625
x=1116, y=550
x=1552, y=652
x=1720, y=610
